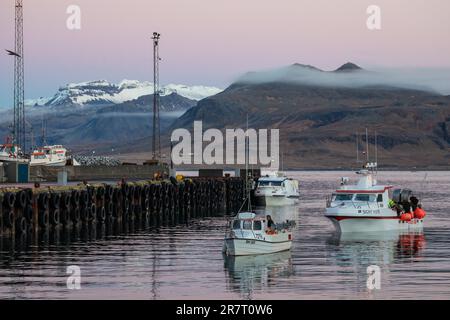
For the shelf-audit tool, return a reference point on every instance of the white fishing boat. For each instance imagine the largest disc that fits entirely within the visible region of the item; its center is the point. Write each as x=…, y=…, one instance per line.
x=276, y=189
x=249, y=234
x=10, y=152
x=369, y=207
x=51, y=156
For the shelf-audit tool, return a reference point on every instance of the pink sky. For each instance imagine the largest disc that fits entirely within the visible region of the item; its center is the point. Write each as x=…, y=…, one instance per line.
x=211, y=42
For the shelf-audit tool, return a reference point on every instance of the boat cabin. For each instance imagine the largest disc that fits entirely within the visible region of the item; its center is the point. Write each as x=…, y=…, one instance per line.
x=359, y=198
x=366, y=193
x=248, y=223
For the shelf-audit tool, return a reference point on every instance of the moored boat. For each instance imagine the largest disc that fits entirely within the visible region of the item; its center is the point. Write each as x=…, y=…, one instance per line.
x=10, y=152
x=369, y=207
x=51, y=156
x=276, y=189
x=250, y=234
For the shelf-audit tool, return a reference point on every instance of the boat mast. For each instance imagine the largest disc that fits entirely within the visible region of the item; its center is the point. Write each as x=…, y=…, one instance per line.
x=376, y=152
x=357, y=148
x=44, y=132
x=367, y=146
x=247, y=154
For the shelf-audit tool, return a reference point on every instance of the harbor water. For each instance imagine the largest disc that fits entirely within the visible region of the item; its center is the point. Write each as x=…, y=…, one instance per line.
x=186, y=261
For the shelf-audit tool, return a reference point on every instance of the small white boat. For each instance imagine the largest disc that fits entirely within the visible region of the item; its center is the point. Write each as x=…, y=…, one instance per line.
x=276, y=190
x=248, y=235
x=50, y=156
x=368, y=207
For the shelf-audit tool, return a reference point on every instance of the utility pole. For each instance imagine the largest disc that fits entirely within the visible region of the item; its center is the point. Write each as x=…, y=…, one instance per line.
x=156, y=143
x=19, y=79
x=44, y=132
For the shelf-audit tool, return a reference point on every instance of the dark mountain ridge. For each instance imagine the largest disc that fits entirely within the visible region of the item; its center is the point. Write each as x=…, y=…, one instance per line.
x=318, y=123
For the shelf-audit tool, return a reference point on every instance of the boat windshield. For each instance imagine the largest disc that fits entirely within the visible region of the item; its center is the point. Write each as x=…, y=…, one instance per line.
x=247, y=225
x=269, y=183
x=342, y=197
x=366, y=197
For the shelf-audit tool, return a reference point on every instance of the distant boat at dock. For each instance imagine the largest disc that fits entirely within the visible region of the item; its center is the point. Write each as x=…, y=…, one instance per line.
x=10, y=152
x=51, y=156
x=276, y=189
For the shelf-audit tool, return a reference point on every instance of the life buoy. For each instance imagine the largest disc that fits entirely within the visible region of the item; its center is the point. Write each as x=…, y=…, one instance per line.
x=406, y=217
x=419, y=213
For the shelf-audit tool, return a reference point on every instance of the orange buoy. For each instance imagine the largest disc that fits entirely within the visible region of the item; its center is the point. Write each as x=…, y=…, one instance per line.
x=419, y=213
x=406, y=217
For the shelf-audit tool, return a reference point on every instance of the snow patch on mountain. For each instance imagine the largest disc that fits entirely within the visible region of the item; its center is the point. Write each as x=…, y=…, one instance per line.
x=104, y=92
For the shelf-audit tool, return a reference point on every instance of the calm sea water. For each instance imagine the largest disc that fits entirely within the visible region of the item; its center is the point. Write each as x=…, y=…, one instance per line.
x=185, y=262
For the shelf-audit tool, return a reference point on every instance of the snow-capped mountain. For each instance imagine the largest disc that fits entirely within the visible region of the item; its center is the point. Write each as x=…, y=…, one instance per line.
x=103, y=92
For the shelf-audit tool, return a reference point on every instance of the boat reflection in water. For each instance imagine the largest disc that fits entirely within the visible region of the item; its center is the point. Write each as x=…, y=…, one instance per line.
x=247, y=274
x=355, y=252
x=380, y=248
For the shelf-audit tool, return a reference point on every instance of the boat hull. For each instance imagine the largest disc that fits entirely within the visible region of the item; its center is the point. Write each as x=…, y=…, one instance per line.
x=245, y=247
x=356, y=224
x=18, y=160
x=60, y=163
x=271, y=201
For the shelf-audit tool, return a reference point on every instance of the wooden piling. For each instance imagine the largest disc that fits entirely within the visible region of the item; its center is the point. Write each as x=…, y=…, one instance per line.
x=39, y=211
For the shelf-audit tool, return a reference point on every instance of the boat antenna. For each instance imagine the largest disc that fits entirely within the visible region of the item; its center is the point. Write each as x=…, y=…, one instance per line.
x=357, y=148
x=367, y=145
x=247, y=155
x=376, y=152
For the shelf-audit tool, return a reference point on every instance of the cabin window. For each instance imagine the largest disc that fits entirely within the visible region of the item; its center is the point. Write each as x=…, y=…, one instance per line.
x=236, y=224
x=247, y=225
x=365, y=197
x=342, y=197
x=257, y=225
x=380, y=198
x=270, y=183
